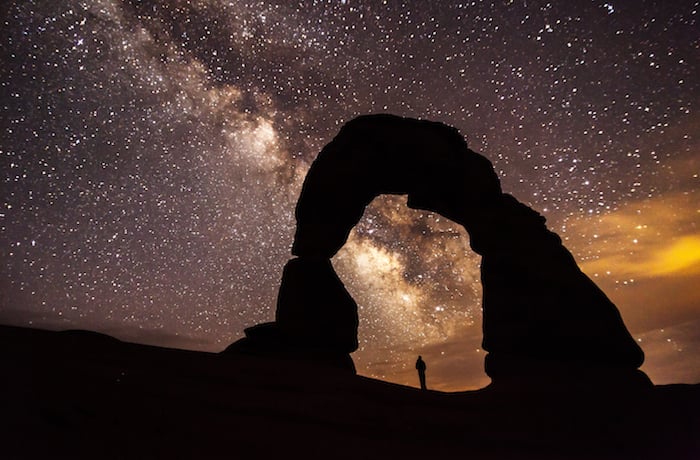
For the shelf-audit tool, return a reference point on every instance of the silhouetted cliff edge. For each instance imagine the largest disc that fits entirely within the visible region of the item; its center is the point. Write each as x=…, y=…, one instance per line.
x=80, y=394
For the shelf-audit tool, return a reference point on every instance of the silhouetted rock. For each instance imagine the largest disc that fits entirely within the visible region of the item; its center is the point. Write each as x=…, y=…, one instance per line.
x=316, y=318
x=385, y=154
x=269, y=341
x=61, y=397
x=314, y=307
x=541, y=313
x=538, y=306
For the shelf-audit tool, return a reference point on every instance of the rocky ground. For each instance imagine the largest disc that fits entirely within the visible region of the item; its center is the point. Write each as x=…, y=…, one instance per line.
x=81, y=394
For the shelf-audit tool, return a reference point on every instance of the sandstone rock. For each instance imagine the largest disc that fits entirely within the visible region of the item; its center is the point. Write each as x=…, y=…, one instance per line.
x=314, y=308
x=268, y=340
x=316, y=319
x=385, y=154
x=541, y=312
x=538, y=306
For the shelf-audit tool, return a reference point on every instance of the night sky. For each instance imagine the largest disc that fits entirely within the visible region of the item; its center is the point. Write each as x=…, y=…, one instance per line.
x=152, y=154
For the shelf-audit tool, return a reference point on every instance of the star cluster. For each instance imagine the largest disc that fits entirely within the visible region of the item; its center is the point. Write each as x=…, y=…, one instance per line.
x=152, y=154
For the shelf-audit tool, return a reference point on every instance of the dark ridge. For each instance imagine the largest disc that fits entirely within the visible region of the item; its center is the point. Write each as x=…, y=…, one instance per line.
x=62, y=398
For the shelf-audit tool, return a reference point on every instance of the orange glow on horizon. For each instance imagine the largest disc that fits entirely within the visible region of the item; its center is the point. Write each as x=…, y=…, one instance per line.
x=682, y=256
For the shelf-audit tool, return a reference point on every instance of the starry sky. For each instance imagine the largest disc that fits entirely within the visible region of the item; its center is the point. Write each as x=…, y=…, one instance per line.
x=152, y=154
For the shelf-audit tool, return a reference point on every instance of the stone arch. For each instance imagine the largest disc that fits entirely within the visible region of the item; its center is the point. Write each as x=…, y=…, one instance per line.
x=377, y=155
x=539, y=309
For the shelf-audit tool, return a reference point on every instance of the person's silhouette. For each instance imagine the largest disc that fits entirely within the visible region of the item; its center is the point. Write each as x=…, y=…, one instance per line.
x=420, y=365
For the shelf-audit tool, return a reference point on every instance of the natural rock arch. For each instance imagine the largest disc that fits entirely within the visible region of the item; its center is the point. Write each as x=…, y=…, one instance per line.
x=374, y=155
x=539, y=310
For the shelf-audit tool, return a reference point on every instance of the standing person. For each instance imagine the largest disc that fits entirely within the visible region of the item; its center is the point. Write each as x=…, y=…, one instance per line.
x=420, y=365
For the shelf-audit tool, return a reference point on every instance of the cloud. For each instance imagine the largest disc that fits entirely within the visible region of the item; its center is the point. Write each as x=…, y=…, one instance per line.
x=681, y=256
x=646, y=239
x=646, y=258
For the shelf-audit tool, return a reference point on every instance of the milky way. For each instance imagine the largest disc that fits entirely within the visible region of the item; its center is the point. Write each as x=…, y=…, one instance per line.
x=152, y=154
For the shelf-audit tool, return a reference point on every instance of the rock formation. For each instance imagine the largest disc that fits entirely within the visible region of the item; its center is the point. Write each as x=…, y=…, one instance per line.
x=541, y=313
x=384, y=154
x=539, y=309
x=314, y=307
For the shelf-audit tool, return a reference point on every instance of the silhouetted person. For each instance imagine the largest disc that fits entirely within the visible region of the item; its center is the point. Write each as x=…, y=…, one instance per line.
x=420, y=365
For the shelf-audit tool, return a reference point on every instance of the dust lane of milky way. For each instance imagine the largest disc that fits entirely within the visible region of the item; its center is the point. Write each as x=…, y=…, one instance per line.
x=152, y=154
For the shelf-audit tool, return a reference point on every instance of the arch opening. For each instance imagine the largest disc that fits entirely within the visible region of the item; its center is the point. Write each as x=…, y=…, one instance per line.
x=416, y=282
